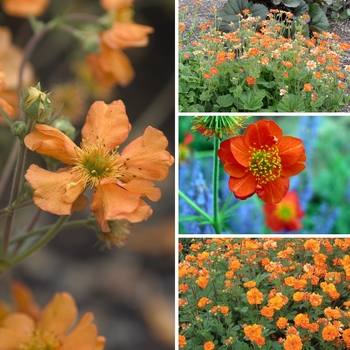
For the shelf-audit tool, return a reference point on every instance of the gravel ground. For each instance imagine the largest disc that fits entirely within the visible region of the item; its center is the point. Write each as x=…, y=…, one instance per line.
x=342, y=28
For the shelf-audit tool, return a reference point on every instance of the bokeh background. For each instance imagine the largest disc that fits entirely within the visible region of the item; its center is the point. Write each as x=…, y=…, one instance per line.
x=130, y=290
x=323, y=187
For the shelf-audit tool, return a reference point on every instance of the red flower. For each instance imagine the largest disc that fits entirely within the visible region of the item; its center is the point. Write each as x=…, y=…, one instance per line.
x=285, y=215
x=261, y=161
x=250, y=80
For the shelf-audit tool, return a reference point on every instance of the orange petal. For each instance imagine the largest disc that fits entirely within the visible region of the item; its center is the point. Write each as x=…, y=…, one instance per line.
x=146, y=158
x=231, y=166
x=24, y=301
x=111, y=67
x=84, y=335
x=274, y=191
x=45, y=139
x=264, y=132
x=108, y=123
x=59, y=315
x=144, y=187
x=243, y=187
x=290, y=149
x=115, y=5
x=126, y=34
x=14, y=329
x=54, y=192
x=240, y=151
x=24, y=8
x=100, y=344
x=111, y=202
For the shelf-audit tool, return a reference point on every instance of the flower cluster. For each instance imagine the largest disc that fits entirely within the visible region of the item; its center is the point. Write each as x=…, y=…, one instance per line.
x=280, y=293
x=249, y=70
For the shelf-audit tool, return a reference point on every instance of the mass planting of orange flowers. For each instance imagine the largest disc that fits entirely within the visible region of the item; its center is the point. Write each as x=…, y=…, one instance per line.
x=285, y=293
x=53, y=330
x=286, y=215
x=261, y=161
x=119, y=179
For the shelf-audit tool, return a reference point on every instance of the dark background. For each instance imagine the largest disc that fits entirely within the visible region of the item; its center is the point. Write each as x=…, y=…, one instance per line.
x=130, y=290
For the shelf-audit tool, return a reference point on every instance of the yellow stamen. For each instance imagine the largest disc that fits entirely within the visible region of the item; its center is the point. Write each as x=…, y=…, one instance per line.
x=41, y=340
x=95, y=162
x=265, y=163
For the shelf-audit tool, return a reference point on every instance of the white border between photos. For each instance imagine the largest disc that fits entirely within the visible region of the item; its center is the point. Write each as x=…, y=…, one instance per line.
x=176, y=164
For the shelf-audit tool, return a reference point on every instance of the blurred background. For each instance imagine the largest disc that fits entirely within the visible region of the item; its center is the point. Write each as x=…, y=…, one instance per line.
x=130, y=290
x=323, y=187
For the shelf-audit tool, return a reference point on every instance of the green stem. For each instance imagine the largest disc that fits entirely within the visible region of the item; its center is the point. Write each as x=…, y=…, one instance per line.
x=16, y=206
x=43, y=241
x=195, y=206
x=216, y=220
x=68, y=225
x=15, y=191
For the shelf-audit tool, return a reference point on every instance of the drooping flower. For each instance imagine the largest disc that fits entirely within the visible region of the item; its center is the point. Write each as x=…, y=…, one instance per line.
x=286, y=215
x=111, y=66
x=261, y=161
x=18, y=331
x=119, y=180
x=24, y=8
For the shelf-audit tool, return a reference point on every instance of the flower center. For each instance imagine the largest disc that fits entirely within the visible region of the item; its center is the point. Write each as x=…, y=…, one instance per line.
x=95, y=162
x=285, y=213
x=265, y=163
x=41, y=340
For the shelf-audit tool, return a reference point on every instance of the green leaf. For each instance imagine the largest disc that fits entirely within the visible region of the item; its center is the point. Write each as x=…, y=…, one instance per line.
x=291, y=3
x=319, y=21
x=345, y=14
x=230, y=10
x=225, y=100
x=290, y=103
x=205, y=96
x=251, y=100
x=4, y=264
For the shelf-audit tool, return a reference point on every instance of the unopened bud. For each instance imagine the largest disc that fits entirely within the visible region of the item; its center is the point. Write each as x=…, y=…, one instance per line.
x=36, y=104
x=18, y=128
x=64, y=124
x=120, y=230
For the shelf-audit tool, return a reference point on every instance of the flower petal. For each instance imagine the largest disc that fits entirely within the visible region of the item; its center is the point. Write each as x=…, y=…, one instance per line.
x=264, y=132
x=45, y=139
x=240, y=151
x=59, y=315
x=111, y=202
x=274, y=191
x=290, y=149
x=243, y=187
x=108, y=123
x=54, y=192
x=83, y=336
x=14, y=329
x=143, y=187
x=146, y=157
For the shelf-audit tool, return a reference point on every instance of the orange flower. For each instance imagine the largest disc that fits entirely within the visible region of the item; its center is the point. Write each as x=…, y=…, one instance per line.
x=206, y=75
x=250, y=80
x=224, y=310
x=209, y=345
x=308, y=87
x=119, y=179
x=261, y=161
x=214, y=70
x=285, y=215
x=282, y=322
x=182, y=341
x=329, y=333
x=110, y=67
x=116, y=5
x=267, y=312
x=24, y=8
x=203, y=301
x=293, y=342
x=254, y=296
x=202, y=282
x=20, y=331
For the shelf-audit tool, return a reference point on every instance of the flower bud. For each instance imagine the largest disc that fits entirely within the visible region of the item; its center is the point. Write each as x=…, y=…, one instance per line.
x=36, y=104
x=18, y=128
x=64, y=124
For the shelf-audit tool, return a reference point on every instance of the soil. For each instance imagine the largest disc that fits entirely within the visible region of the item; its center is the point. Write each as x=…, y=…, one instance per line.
x=204, y=14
